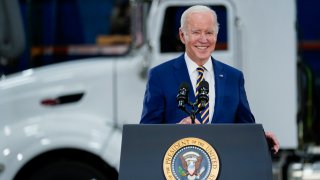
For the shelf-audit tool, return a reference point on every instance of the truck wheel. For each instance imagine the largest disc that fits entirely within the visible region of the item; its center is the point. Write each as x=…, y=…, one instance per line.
x=68, y=170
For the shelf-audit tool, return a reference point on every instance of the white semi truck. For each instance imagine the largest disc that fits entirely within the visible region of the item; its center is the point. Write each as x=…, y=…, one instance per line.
x=66, y=119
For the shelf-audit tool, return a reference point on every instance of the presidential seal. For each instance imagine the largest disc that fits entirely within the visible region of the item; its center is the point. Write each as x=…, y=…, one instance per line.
x=191, y=158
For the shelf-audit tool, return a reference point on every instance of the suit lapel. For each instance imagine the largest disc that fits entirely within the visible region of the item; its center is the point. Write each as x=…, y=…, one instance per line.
x=220, y=83
x=182, y=75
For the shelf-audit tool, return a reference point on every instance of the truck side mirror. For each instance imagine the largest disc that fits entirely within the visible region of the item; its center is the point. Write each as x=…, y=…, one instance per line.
x=143, y=73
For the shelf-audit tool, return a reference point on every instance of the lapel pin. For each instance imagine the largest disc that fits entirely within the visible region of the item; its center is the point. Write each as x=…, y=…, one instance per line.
x=221, y=75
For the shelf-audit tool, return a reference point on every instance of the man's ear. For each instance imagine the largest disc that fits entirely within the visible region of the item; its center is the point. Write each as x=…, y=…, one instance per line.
x=182, y=36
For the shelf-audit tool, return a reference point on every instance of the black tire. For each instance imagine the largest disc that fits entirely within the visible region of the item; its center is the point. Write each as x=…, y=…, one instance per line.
x=72, y=170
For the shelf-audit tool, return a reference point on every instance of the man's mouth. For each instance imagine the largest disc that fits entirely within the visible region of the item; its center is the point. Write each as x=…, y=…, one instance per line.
x=202, y=47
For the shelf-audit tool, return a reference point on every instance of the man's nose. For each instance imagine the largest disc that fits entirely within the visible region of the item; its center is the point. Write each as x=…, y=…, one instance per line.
x=203, y=37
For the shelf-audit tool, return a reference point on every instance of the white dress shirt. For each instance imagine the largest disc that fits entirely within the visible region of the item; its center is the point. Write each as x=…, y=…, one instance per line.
x=208, y=76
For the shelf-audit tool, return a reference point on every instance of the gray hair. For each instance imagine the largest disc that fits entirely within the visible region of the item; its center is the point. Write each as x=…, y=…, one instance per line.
x=198, y=8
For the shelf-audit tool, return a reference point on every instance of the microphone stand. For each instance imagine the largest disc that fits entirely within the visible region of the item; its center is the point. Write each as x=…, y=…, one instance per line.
x=193, y=111
x=195, y=108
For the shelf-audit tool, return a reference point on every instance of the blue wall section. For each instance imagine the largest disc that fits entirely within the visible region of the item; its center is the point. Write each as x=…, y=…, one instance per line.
x=308, y=16
x=308, y=28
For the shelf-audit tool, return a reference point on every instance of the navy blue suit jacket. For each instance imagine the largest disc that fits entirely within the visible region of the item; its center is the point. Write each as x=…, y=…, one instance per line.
x=160, y=105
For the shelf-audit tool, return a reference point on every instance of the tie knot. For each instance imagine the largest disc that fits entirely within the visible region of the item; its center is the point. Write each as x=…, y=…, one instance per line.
x=200, y=69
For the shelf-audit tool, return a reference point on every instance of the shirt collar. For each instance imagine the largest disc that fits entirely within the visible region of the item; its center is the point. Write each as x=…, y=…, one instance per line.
x=192, y=66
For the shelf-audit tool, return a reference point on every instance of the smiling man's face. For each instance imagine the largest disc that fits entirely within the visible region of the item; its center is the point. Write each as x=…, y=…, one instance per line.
x=199, y=36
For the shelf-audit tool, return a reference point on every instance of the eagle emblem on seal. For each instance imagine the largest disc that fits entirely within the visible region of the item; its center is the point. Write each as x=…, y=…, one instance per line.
x=191, y=165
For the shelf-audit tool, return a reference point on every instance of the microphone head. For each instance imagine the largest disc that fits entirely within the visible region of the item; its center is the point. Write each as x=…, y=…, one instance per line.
x=182, y=96
x=185, y=86
x=203, y=97
x=204, y=84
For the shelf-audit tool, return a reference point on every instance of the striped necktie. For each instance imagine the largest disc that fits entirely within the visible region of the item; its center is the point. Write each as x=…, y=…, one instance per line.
x=204, y=114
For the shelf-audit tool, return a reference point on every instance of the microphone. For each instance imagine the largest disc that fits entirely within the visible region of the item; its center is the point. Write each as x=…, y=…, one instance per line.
x=182, y=96
x=203, y=96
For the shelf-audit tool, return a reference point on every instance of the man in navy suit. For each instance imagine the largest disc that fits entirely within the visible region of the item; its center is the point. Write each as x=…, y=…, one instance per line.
x=227, y=97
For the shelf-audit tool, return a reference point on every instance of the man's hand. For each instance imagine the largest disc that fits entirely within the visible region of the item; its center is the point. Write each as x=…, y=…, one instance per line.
x=187, y=120
x=272, y=142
